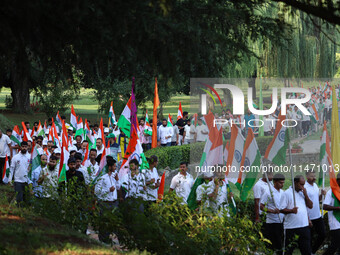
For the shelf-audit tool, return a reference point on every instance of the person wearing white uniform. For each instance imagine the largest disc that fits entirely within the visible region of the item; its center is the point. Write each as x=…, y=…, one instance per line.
x=134, y=182
x=19, y=172
x=201, y=131
x=106, y=191
x=260, y=188
x=332, y=205
x=5, y=150
x=296, y=217
x=270, y=202
x=152, y=180
x=205, y=192
x=314, y=213
x=165, y=133
x=91, y=166
x=182, y=182
x=37, y=188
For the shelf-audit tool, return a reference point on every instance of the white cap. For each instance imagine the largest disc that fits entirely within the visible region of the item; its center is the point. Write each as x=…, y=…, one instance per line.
x=70, y=128
x=106, y=130
x=47, y=131
x=44, y=142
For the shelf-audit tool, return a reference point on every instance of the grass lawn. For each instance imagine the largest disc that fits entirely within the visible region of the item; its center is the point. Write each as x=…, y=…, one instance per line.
x=22, y=232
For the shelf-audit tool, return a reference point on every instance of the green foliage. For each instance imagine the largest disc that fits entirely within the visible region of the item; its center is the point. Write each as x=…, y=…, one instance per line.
x=5, y=123
x=192, y=153
x=9, y=102
x=56, y=97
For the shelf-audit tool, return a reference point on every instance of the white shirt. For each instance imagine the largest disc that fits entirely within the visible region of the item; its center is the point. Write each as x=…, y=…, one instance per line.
x=260, y=188
x=187, y=132
x=203, y=191
x=293, y=220
x=200, y=136
x=102, y=188
x=91, y=171
x=19, y=168
x=151, y=194
x=37, y=189
x=164, y=132
x=267, y=126
x=4, y=148
x=267, y=200
x=174, y=133
x=101, y=150
x=332, y=221
x=313, y=194
x=182, y=185
x=134, y=186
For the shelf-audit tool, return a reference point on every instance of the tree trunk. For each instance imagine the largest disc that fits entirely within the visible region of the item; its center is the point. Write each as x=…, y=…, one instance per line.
x=227, y=98
x=20, y=82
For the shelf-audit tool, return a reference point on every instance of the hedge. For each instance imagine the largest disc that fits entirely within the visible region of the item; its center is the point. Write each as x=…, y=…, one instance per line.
x=173, y=155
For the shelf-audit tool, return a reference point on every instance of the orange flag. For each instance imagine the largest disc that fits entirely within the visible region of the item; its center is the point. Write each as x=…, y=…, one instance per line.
x=161, y=187
x=154, y=119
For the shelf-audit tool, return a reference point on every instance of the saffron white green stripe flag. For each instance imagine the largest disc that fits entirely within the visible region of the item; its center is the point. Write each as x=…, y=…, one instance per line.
x=180, y=112
x=112, y=116
x=124, y=122
x=58, y=122
x=80, y=129
x=212, y=131
x=251, y=163
x=15, y=137
x=40, y=130
x=148, y=129
x=35, y=161
x=73, y=119
x=276, y=151
x=170, y=123
x=5, y=171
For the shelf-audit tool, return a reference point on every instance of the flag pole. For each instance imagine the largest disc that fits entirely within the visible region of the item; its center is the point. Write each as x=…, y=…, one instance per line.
x=270, y=189
x=291, y=172
x=323, y=187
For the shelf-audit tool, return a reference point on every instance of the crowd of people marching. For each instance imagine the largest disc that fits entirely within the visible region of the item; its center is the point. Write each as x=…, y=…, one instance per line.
x=83, y=167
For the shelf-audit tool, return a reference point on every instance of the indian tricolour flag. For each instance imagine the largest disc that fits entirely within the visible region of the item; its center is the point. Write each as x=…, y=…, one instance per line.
x=63, y=164
x=103, y=168
x=215, y=156
x=88, y=135
x=15, y=137
x=112, y=116
x=27, y=136
x=80, y=129
x=314, y=111
x=170, y=123
x=40, y=130
x=73, y=119
x=58, y=122
x=133, y=151
x=35, y=161
x=276, y=151
x=148, y=129
x=250, y=164
x=5, y=171
x=212, y=133
x=234, y=156
x=180, y=112
x=124, y=121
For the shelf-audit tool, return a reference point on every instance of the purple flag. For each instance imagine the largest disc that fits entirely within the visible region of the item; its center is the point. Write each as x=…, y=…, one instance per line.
x=133, y=108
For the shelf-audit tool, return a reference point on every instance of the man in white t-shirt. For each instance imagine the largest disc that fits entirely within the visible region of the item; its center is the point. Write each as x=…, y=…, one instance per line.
x=296, y=221
x=270, y=202
x=182, y=182
x=175, y=136
x=332, y=205
x=201, y=131
x=165, y=133
x=205, y=191
x=5, y=150
x=314, y=213
x=152, y=180
x=260, y=188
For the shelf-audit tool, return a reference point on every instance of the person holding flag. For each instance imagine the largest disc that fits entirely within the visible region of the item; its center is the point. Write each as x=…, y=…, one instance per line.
x=181, y=124
x=19, y=172
x=5, y=150
x=270, y=203
x=314, y=214
x=134, y=182
x=106, y=190
x=48, y=179
x=152, y=179
x=296, y=221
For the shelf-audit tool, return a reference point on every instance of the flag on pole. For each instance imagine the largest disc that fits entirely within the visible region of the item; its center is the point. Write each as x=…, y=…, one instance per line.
x=192, y=198
x=215, y=156
x=5, y=171
x=325, y=153
x=161, y=187
x=15, y=137
x=314, y=112
x=124, y=121
x=261, y=130
x=63, y=164
x=58, y=121
x=276, y=151
x=148, y=129
x=251, y=158
x=88, y=135
x=194, y=120
x=80, y=129
x=154, y=117
x=170, y=123
x=86, y=155
x=180, y=112
x=40, y=130
x=73, y=119
x=112, y=116
x=134, y=121
x=27, y=136
x=35, y=161
x=101, y=131
x=235, y=150
x=133, y=151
